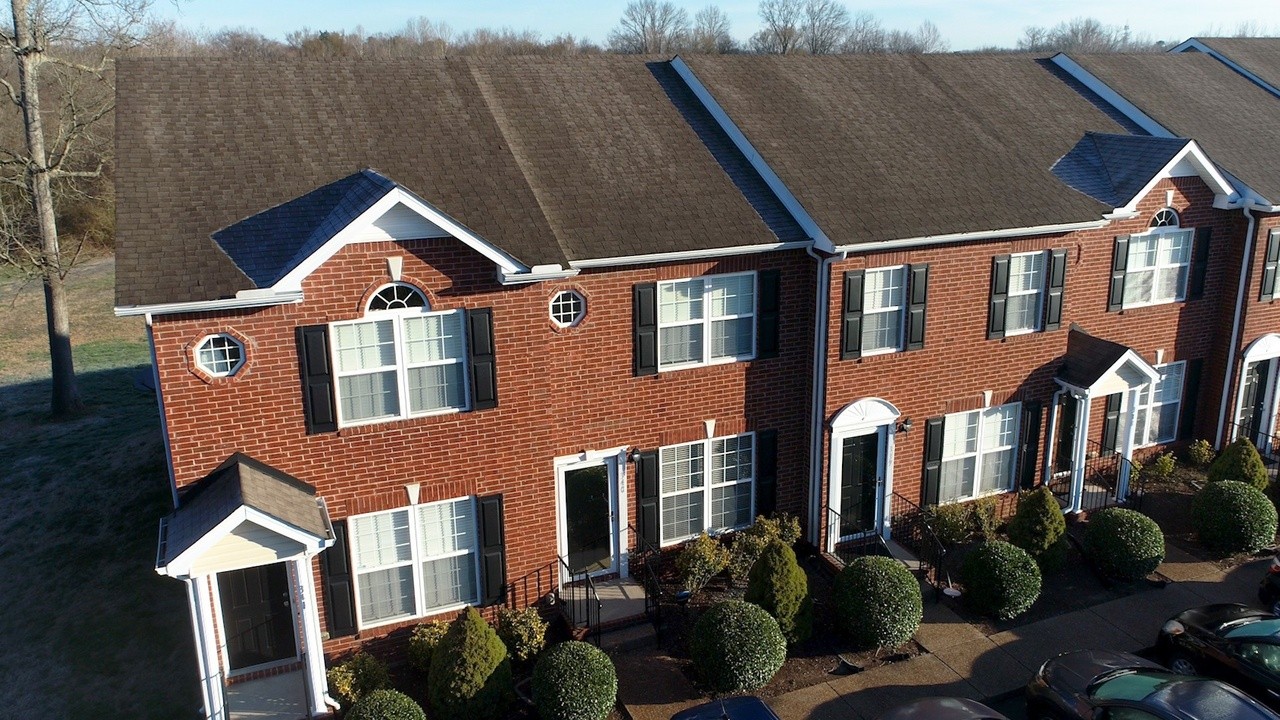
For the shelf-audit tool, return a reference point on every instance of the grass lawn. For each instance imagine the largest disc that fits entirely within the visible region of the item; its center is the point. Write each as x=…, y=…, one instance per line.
x=88, y=629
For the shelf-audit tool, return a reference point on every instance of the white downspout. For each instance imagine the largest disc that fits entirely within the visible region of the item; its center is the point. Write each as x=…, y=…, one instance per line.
x=822, y=302
x=1227, y=374
x=164, y=423
x=210, y=679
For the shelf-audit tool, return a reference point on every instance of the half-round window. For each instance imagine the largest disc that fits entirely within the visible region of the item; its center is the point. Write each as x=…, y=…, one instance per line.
x=397, y=296
x=568, y=308
x=220, y=355
x=1165, y=217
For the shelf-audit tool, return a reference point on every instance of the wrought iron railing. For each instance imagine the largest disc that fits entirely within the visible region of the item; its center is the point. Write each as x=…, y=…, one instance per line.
x=910, y=528
x=1104, y=468
x=647, y=559
x=555, y=587
x=1268, y=446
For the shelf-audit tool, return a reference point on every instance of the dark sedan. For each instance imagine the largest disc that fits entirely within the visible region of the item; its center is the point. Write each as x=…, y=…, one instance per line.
x=1269, y=588
x=1107, y=685
x=1231, y=642
x=942, y=708
x=747, y=707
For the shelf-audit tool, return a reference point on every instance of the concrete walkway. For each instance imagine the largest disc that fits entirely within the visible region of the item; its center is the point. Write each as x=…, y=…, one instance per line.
x=961, y=660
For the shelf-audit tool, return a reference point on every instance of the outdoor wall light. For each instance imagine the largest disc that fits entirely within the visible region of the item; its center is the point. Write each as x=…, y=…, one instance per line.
x=905, y=425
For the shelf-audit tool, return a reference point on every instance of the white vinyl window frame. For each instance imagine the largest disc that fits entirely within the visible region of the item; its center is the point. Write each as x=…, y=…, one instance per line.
x=418, y=557
x=1152, y=400
x=701, y=318
x=220, y=355
x=707, y=453
x=1026, y=281
x=985, y=449
x=894, y=311
x=399, y=319
x=1165, y=238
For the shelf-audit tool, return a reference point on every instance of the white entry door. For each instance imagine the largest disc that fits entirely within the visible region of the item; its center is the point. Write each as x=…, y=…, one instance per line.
x=588, y=504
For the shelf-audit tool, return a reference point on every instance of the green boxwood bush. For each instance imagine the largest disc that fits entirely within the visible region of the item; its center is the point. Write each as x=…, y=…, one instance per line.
x=952, y=523
x=878, y=602
x=1233, y=516
x=470, y=674
x=1038, y=527
x=701, y=559
x=1241, y=462
x=385, y=705
x=737, y=646
x=356, y=677
x=1123, y=544
x=1000, y=579
x=524, y=632
x=748, y=543
x=423, y=641
x=778, y=584
x=574, y=681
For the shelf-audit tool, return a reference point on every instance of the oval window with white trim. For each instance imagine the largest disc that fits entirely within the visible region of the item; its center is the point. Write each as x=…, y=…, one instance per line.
x=568, y=308
x=220, y=355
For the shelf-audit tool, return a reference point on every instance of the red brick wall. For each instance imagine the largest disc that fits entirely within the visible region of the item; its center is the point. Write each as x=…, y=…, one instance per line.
x=1260, y=317
x=560, y=392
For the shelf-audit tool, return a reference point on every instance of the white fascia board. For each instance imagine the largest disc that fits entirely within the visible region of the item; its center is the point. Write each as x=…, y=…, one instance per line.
x=684, y=255
x=1194, y=45
x=1113, y=98
x=284, y=529
x=180, y=566
x=1209, y=173
x=533, y=276
x=970, y=236
x=292, y=281
x=1073, y=390
x=739, y=139
x=1136, y=360
x=235, y=303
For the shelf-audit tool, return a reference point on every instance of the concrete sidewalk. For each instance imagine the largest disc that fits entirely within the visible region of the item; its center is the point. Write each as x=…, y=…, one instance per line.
x=960, y=660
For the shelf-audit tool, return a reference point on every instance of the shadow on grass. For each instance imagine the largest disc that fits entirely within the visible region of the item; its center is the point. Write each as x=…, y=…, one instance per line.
x=89, y=628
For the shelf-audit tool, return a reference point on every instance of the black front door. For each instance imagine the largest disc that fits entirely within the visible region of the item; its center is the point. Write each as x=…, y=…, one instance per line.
x=1253, y=398
x=588, y=519
x=1064, y=453
x=859, y=471
x=257, y=615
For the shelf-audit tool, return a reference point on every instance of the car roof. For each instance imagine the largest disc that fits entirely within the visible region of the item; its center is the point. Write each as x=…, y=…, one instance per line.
x=1203, y=699
x=748, y=707
x=1253, y=628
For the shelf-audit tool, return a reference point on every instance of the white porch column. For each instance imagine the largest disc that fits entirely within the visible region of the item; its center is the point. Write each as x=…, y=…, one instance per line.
x=1129, y=416
x=312, y=644
x=211, y=679
x=1080, y=453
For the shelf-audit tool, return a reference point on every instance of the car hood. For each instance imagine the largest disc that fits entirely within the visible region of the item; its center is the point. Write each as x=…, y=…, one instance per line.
x=1075, y=671
x=942, y=708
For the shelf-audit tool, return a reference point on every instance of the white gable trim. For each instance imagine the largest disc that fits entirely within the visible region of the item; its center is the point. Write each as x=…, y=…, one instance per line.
x=180, y=566
x=684, y=255
x=739, y=139
x=357, y=228
x=879, y=245
x=1194, y=45
x=869, y=412
x=1129, y=358
x=1113, y=98
x=1204, y=167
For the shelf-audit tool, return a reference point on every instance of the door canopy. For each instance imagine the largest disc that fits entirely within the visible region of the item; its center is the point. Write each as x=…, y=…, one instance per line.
x=1095, y=367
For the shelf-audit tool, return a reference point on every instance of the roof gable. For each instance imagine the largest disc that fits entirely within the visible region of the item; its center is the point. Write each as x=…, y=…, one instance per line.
x=1120, y=170
x=1258, y=59
x=1093, y=362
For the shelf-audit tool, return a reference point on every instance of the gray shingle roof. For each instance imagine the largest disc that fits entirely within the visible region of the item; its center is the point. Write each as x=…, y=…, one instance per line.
x=888, y=147
x=1088, y=358
x=1195, y=96
x=1114, y=168
x=1260, y=56
x=550, y=159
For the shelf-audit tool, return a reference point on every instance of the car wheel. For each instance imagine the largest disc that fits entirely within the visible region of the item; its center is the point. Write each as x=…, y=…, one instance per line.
x=1039, y=711
x=1182, y=665
x=1275, y=608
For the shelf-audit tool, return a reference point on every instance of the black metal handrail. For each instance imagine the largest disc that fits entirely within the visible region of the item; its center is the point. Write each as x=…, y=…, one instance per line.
x=543, y=587
x=1103, y=469
x=870, y=544
x=1268, y=446
x=910, y=527
x=590, y=621
x=650, y=560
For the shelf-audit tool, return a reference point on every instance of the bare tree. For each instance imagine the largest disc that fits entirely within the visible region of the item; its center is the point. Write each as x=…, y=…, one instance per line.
x=711, y=32
x=924, y=39
x=824, y=26
x=781, y=32
x=865, y=35
x=1086, y=35
x=650, y=27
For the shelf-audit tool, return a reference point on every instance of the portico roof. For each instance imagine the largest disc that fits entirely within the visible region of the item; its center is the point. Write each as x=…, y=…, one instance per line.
x=1091, y=361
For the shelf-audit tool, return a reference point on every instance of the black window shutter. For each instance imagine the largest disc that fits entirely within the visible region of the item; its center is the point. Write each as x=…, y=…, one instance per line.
x=493, y=551
x=918, y=295
x=647, y=485
x=1119, y=261
x=1030, y=444
x=1199, y=263
x=932, y=460
x=484, y=369
x=1111, y=423
x=1269, y=267
x=999, y=296
x=766, y=472
x=767, y=319
x=851, y=326
x=317, y=379
x=339, y=591
x=1057, y=281
x=1190, y=398
x=644, y=321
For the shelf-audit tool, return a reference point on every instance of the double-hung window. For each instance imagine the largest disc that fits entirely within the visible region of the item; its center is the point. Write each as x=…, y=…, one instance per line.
x=1026, y=293
x=399, y=360
x=978, y=452
x=415, y=561
x=1158, y=262
x=883, y=309
x=706, y=320
x=706, y=486
x=1159, y=406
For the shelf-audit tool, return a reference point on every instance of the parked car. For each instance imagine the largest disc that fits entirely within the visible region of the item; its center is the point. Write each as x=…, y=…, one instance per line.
x=942, y=708
x=1269, y=588
x=748, y=707
x=1109, y=685
x=1232, y=642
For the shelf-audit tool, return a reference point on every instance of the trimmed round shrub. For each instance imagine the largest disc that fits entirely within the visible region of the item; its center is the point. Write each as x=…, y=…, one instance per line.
x=386, y=705
x=1123, y=544
x=470, y=674
x=1038, y=527
x=524, y=632
x=878, y=602
x=356, y=677
x=778, y=584
x=1240, y=461
x=737, y=646
x=1000, y=579
x=423, y=641
x=1234, y=517
x=574, y=681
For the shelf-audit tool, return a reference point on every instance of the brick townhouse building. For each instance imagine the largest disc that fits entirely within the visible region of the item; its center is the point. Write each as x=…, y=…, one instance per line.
x=428, y=331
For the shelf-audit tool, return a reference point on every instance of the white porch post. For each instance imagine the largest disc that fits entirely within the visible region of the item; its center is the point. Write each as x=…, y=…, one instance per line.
x=1080, y=453
x=1129, y=416
x=886, y=486
x=313, y=646
x=206, y=647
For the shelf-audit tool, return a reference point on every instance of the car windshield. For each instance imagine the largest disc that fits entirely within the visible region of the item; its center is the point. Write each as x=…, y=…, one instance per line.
x=1260, y=628
x=1207, y=700
x=1131, y=685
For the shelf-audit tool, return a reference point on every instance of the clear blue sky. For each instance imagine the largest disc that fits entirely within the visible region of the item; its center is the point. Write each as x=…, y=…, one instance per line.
x=965, y=23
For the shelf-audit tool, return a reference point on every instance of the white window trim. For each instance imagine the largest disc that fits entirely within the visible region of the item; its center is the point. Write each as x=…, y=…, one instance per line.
x=706, y=322
x=983, y=449
x=1039, y=292
x=582, y=312
x=1160, y=233
x=402, y=366
x=217, y=374
x=707, y=488
x=415, y=562
x=900, y=310
x=1151, y=405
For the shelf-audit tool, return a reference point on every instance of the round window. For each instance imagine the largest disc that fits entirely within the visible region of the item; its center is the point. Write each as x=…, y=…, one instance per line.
x=220, y=355
x=568, y=308
x=397, y=297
